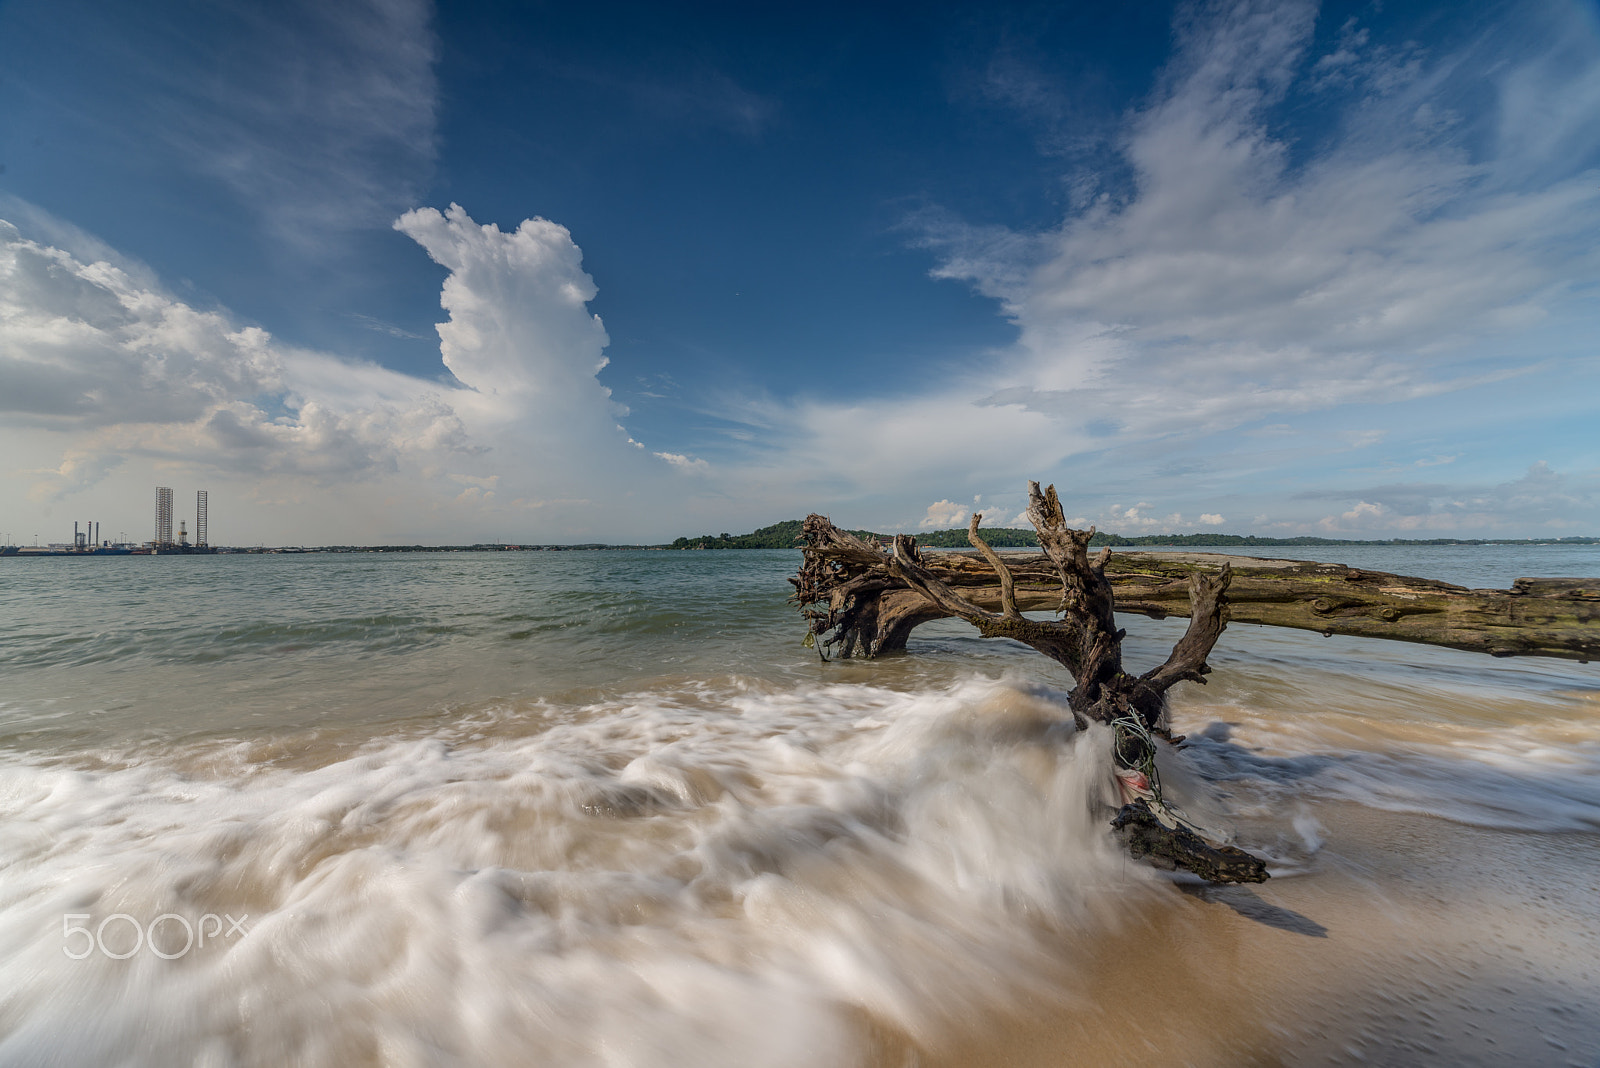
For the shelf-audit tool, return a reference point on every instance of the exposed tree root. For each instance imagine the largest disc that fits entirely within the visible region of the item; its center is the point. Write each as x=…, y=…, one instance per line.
x=1178, y=847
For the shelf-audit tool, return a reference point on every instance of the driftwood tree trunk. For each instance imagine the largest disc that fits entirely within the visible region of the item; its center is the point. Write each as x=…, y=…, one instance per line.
x=863, y=598
x=868, y=613
x=1084, y=638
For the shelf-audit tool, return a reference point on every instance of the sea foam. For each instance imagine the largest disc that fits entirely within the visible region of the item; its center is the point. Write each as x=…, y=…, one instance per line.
x=673, y=877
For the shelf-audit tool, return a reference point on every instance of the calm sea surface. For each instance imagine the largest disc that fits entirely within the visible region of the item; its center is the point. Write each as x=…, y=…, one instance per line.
x=602, y=808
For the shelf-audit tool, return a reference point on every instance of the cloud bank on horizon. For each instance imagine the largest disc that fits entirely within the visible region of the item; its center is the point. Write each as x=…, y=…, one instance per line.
x=1309, y=283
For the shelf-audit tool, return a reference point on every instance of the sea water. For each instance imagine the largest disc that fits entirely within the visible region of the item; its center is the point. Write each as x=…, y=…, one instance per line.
x=603, y=808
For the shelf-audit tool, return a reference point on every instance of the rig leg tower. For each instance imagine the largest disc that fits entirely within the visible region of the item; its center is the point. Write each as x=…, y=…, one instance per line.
x=163, y=517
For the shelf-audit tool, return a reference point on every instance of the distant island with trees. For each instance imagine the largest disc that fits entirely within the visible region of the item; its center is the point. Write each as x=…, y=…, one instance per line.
x=786, y=535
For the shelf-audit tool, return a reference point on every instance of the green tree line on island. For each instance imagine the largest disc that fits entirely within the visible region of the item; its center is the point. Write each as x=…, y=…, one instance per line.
x=786, y=535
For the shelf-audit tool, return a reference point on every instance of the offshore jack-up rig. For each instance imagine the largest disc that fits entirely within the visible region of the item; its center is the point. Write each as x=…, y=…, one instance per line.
x=164, y=541
x=88, y=542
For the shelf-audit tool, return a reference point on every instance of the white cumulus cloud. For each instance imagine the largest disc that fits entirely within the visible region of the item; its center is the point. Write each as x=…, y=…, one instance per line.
x=944, y=514
x=682, y=462
x=105, y=376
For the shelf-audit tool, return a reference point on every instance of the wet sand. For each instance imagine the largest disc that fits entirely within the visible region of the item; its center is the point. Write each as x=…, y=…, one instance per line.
x=1410, y=941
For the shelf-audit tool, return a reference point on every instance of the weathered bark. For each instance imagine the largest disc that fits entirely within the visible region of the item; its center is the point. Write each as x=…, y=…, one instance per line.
x=1179, y=847
x=1084, y=637
x=855, y=578
x=875, y=597
x=1553, y=617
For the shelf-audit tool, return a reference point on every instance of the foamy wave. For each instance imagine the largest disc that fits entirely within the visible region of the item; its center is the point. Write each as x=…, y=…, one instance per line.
x=1523, y=775
x=762, y=878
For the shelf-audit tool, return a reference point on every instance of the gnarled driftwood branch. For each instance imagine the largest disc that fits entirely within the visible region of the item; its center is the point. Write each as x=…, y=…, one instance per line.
x=1555, y=617
x=861, y=597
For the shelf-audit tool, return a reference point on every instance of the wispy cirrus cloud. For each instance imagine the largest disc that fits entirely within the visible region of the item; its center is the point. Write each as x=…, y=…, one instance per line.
x=318, y=117
x=1234, y=282
x=1242, y=277
x=1238, y=283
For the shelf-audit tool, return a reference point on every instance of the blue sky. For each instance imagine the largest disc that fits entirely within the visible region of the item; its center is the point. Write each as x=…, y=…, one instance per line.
x=1270, y=268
